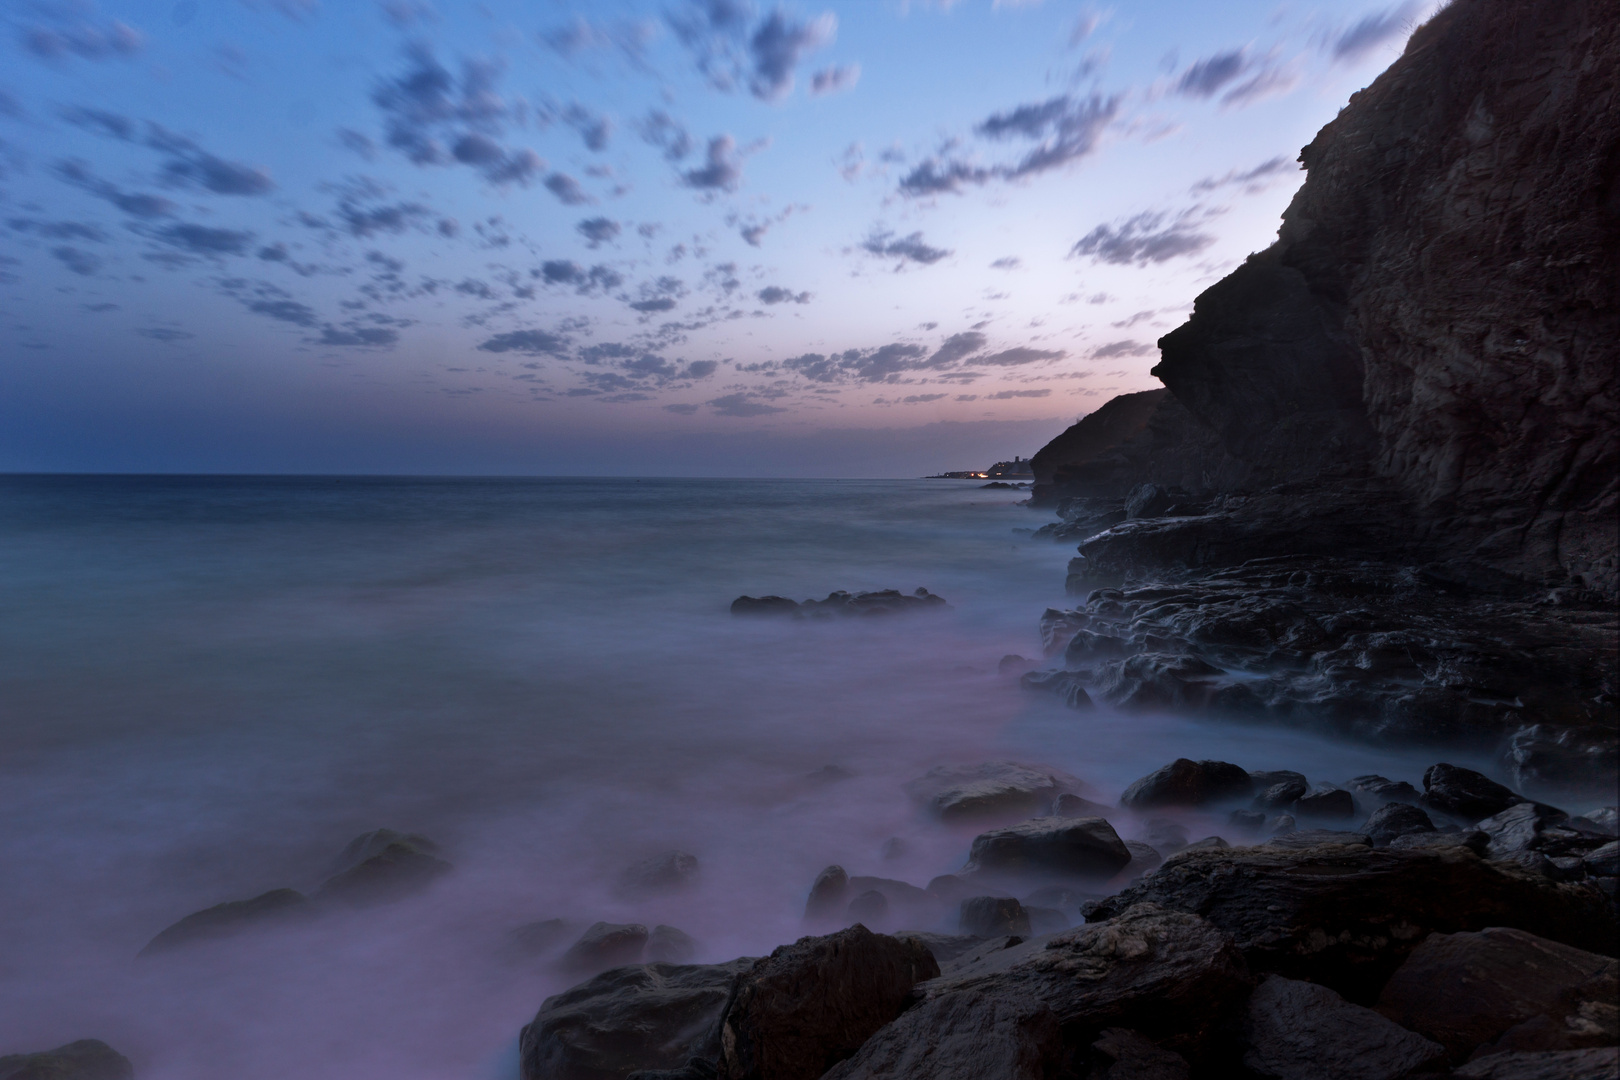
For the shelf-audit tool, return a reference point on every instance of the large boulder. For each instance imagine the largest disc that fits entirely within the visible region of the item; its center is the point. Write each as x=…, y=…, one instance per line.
x=1530, y=826
x=657, y=1016
x=828, y=894
x=1508, y=988
x=1347, y=916
x=380, y=867
x=1069, y=847
x=993, y=916
x=275, y=907
x=1188, y=783
x=809, y=1005
x=1302, y=1031
x=86, y=1059
x=1464, y=793
x=1021, y=1012
x=606, y=945
x=1394, y=820
x=1600, y=1064
x=992, y=790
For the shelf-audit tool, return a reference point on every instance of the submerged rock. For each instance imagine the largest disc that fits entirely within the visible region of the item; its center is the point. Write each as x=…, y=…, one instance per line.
x=1504, y=989
x=827, y=894
x=990, y=790
x=882, y=602
x=1188, y=783
x=381, y=867
x=670, y=872
x=993, y=916
x=1083, y=847
x=278, y=906
x=1346, y=915
x=1301, y=1031
x=1465, y=793
x=809, y=1005
x=1384, y=788
x=667, y=945
x=606, y=945
x=654, y=1016
x=86, y=1059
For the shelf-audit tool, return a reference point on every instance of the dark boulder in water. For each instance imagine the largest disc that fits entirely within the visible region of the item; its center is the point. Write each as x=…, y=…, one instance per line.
x=538, y=938
x=993, y=916
x=606, y=945
x=1395, y=820
x=827, y=894
x=991, y=790
x=1384, y=788
x=881, y=602
x=764, y=605
x=1465, y=793
x=381, y=867
x=810, y=1005
x=673, y=871
x=1188, y=783
x=1331, y=803
x=1500, y=989
x=277, y=906
x=86, y=1059
x=1070, y=847
x=870, y=906
x=668, y=945
x=643, y=1017
x=1281, y=795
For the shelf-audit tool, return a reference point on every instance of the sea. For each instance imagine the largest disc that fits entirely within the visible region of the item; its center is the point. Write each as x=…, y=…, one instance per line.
x=209, y=685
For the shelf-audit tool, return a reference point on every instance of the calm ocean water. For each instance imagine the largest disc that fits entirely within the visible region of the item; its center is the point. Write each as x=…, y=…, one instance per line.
x=208, y=686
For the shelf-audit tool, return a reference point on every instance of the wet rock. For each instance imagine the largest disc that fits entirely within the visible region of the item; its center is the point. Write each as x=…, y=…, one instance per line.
x=1281, y=825
x=1346, y=915
x=86, y=1059
x=1266, y=778
x=667, y=945
x=654, y=1016
x=1087, y=648
x=606, y=945
x=1535, y=827
x=1166, y=835
x=278, y=906
x=994, y=790
x=1302, y=1031
x=1013, y=664
x=695, y=1069
x=1148, y=500
x=1057, y=627
x=1208, y=843
x=1017, y=1012
x=810, y=1005
x=764, y=605
x=1299, y=839
x=870, y=907
x=1122, y=1054
x=1504, y=987
x=1604, y=861
x=1144, y=857
x=1188, y=783
x=1394, y=820
x=1605, y=818
x=1068, y=686
x=1084, y=847
x=1157, y=680
x=1442, y=840
x=1384, y=788
x=1333, y=803
x=993, y=916
x=1075, y=806
x=538, y=938
x=903, y=902
x=1600, y=1064
x=827, y=894
x=1281, y=794
x=381, y=867
x=1465, y=793
x=670, y=872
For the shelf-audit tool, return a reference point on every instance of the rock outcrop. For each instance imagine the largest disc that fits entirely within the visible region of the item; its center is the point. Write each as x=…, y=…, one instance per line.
x=86, y=1059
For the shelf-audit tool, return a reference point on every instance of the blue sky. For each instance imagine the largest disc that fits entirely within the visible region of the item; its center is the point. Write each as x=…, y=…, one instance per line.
x=669, y=238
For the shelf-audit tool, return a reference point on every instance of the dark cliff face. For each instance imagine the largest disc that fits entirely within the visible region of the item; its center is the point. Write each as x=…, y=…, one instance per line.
x=1443, y=301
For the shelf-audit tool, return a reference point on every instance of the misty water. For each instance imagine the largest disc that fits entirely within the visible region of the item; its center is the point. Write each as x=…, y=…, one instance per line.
x=208, y=686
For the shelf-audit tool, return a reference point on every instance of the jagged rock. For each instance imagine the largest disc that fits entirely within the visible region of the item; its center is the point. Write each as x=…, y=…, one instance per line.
x=1504, y=987
x=1058, y=627
x=277, y=906
x=381, y=867
x=1302, y=1031
x=1187, y=783
x=995, y=790
x=1016, y=1012
x=1604, y=861
x=1148, y=500
x=1085, y=847
x=1157, y=680
x=654, y=1016
x=1282, y=794
x=1334, y=803
x=539, y=938
x=1465, y=793
x=1599, y=1064
x=1068, y=686
x=1086, y=648
x=1535, y=827
x=870, y=906
x=1384, y=788
x=1127, y=1055
x=1347, y=915
x=667, y=945
x=1394, y=820
x=827, y=894
x=670, y=872
x=810, y=1005
x=606, y=945
x=86, y=1059
x=764, y=605
x=993, y=916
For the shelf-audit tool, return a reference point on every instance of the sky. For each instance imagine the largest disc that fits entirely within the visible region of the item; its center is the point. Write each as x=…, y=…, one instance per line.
x=688, y=237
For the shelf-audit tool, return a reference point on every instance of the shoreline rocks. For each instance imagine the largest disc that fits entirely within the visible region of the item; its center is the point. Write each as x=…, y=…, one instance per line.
x=841, y=603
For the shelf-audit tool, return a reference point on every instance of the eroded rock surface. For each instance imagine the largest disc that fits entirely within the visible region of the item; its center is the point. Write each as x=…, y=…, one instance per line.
x=1303, y=1031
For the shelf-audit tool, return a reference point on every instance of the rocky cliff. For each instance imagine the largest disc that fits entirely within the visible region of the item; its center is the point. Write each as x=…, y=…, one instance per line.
x=1441, y=308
